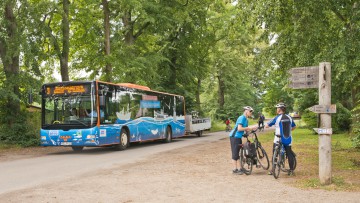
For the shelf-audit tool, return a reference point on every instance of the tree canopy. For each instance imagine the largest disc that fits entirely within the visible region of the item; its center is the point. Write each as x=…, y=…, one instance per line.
x=220, y=54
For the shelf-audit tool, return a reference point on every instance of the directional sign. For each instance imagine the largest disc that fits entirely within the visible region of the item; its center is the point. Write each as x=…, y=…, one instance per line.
x=304, y=77
x=323, y=108
x=304, y=85
x=323, y=131
x=304, y=70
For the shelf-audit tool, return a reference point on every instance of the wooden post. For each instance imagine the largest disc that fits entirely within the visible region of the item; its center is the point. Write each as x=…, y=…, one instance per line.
x=325, y=122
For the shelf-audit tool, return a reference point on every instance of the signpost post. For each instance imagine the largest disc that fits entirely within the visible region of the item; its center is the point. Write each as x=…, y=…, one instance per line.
x=319, y=77
x=325, y=122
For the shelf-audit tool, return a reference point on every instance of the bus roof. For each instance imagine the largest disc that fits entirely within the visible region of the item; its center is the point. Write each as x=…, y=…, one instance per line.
x=128, y=85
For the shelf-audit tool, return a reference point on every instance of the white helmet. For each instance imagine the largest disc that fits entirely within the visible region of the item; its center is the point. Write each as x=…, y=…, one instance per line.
x=248, y=108
x=280, y=105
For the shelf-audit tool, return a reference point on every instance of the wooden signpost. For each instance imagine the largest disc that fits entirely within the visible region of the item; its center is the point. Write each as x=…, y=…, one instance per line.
x=319, y=77
x=304, y=77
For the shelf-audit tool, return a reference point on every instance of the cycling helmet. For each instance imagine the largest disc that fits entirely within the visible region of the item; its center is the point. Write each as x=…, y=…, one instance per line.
x=280, y=105
x=248, y=108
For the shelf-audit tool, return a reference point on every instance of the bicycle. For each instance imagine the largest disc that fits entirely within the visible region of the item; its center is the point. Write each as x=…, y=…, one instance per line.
x=280, y=159
x=228, y=128
x=261, y=158
x=284, y=165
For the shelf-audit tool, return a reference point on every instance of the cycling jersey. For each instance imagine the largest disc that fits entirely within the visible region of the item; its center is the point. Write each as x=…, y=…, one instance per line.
x=243, y=121
x=283, y=126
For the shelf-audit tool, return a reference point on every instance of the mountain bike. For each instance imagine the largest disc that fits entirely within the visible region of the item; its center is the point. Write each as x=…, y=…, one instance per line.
x=228, y=128
x=258, y=157
x=280, y=159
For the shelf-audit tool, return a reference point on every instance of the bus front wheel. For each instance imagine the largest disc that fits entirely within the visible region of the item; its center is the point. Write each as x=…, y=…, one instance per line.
x=124, y=140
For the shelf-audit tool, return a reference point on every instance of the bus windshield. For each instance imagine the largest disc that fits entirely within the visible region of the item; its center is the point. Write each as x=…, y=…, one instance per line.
x=68, y=106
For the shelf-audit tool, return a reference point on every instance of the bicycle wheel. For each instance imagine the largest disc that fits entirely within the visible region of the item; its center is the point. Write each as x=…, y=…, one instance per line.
x=262, y=157
x=285, y=163
x=276, y=164
x=245, y=162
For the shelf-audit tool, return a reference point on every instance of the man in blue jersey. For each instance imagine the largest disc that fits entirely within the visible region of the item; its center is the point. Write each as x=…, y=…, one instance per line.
x=241, y=126
x=284, y=124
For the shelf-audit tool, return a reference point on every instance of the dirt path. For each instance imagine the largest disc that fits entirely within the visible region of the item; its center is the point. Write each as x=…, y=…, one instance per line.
x=200, y=173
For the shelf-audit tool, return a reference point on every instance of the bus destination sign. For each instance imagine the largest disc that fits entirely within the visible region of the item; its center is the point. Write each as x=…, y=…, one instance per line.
x=66, y=89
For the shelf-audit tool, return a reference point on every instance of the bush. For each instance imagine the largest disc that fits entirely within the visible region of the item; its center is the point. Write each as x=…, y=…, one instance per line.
x=310, y=118
x=24, y=131
x=341, y=121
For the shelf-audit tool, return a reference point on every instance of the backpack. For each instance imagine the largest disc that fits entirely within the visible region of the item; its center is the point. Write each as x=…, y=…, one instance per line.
x=250, y=150
x=285, y=126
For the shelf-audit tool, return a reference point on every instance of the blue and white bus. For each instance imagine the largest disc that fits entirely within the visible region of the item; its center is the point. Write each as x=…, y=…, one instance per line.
x=95, y=113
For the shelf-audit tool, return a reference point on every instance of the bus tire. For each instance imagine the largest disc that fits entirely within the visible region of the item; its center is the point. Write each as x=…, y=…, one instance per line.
x=168, y=135
x=124, y=140
x=199, y=133
x=77, y=148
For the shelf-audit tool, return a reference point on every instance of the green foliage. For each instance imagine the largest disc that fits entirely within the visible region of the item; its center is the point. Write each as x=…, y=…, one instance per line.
x=341, y=121
x=24, y=131
x=356, y=127
x=310, y=118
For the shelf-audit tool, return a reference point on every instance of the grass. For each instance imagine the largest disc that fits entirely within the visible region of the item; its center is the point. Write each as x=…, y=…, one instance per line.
x=345, y=158
x=4, y=146
x=345, y=161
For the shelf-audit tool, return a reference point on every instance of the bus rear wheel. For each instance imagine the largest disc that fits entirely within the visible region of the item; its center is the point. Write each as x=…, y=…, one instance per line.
x=124, y=140
x=168, y=135
x=77, y=148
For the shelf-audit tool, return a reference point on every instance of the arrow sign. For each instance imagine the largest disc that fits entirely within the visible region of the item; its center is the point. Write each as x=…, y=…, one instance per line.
x=323, y=108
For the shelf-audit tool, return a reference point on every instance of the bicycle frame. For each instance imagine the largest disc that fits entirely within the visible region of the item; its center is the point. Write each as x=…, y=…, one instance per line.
x=260, y=154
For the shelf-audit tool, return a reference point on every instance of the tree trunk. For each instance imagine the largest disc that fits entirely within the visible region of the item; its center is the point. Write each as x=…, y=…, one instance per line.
x=64, y=59
x=221, y=91
x=9, y=53
x=108, y=68
x=173, y=75
x=198, y=102
x=129, y=28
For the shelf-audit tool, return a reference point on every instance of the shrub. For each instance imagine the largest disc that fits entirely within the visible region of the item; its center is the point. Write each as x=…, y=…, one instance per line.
x=24, y=131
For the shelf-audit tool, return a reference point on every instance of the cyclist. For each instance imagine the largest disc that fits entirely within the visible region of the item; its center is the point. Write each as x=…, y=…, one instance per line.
x=284, y=124
x=241, y=126
x=227, y=122
x=261, y=119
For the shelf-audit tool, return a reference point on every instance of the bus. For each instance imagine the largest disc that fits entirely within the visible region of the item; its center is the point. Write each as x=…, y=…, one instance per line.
x=82, y=114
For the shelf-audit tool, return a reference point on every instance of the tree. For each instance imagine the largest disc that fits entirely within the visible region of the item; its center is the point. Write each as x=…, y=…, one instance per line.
x=10, y=56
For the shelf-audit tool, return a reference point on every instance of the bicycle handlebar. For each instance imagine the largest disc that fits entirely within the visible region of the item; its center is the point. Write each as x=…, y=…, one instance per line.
x=251, y=132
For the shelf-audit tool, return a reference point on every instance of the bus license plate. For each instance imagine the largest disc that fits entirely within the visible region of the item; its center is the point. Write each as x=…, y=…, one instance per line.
x=66, y=143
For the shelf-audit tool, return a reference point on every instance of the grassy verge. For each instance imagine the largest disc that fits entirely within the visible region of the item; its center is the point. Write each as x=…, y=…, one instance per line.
x=345, y=162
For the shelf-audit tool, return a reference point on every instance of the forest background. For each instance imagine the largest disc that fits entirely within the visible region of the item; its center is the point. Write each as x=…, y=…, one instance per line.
x=220, y=54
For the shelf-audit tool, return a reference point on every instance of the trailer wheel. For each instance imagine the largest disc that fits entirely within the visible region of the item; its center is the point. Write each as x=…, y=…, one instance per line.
x=199, y=133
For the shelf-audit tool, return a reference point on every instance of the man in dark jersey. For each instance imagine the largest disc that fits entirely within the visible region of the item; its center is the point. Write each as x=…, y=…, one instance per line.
x=284, y=124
